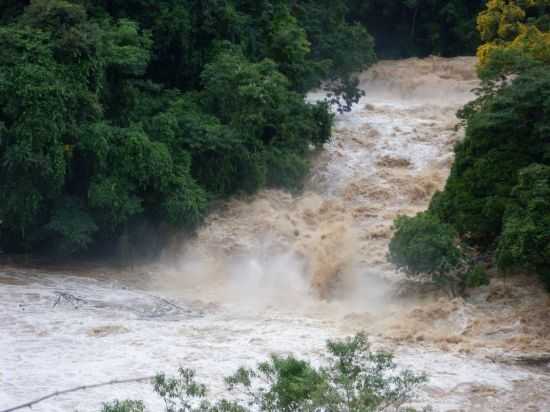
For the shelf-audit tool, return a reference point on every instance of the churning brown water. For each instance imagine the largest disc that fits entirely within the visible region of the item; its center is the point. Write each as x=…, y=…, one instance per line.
x=282, y=273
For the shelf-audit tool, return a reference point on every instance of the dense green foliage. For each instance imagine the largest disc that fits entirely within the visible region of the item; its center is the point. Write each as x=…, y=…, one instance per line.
x=497, y=195
x=404, y=28
x=355, y=379
x=119, y=115
x=124, y=406
x=423, y=244
x=425, y=247
x=476, y=277
x=525, y=238
x=508, y=134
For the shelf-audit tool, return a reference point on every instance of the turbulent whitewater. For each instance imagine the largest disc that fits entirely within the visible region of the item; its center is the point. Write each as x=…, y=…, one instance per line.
x=279, y=273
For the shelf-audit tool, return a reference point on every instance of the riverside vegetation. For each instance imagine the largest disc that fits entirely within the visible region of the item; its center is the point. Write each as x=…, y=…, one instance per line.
x=116, y=116
x=123, y=117
x=355, y=379
x=497, y=199
x=124, y=121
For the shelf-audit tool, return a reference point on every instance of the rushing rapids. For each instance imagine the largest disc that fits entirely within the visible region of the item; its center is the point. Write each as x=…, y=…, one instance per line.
x=282, y=273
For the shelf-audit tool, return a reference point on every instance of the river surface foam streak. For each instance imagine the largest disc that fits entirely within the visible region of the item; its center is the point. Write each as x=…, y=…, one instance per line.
x=281, y=273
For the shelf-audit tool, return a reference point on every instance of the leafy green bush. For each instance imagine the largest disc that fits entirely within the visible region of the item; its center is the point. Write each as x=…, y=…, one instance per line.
x=476, y=277
x=124, y=406
x=423, y=244
x=525, y=239
x=286, y=170
x=355, y=379
x=74, y=227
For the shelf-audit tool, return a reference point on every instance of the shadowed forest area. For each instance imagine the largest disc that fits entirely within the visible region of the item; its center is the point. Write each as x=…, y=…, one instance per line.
x=126, y=120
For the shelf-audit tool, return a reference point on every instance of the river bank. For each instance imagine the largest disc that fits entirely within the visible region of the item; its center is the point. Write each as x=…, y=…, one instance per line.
x=280, y=273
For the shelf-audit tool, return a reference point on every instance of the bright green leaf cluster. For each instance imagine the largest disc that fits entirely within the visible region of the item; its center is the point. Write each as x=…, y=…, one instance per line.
x=355, y=379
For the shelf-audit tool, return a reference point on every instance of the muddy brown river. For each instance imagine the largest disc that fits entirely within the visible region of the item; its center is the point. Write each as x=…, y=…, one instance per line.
x=281, y=273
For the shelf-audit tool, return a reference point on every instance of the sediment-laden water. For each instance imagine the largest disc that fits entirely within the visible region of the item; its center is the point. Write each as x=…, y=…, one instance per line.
x=279, y=273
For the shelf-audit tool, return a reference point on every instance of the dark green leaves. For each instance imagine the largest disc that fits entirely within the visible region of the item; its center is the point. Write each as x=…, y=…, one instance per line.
x=404, y=28
x=142, y=111
x=423, y=244
x=497, y=195
x=525, y=239
x=72, y=226
x=507, y=133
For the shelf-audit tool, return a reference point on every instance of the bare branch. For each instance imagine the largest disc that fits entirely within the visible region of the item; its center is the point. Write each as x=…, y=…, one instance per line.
x=78, y=388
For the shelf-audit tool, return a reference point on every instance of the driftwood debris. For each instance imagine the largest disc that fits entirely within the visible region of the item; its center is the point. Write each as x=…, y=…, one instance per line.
x=534, y=359
x=67, y=297
x=78, y=388
x=531, y=359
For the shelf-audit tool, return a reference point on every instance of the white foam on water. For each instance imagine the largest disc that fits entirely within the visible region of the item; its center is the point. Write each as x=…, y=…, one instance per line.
x=274, y=273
